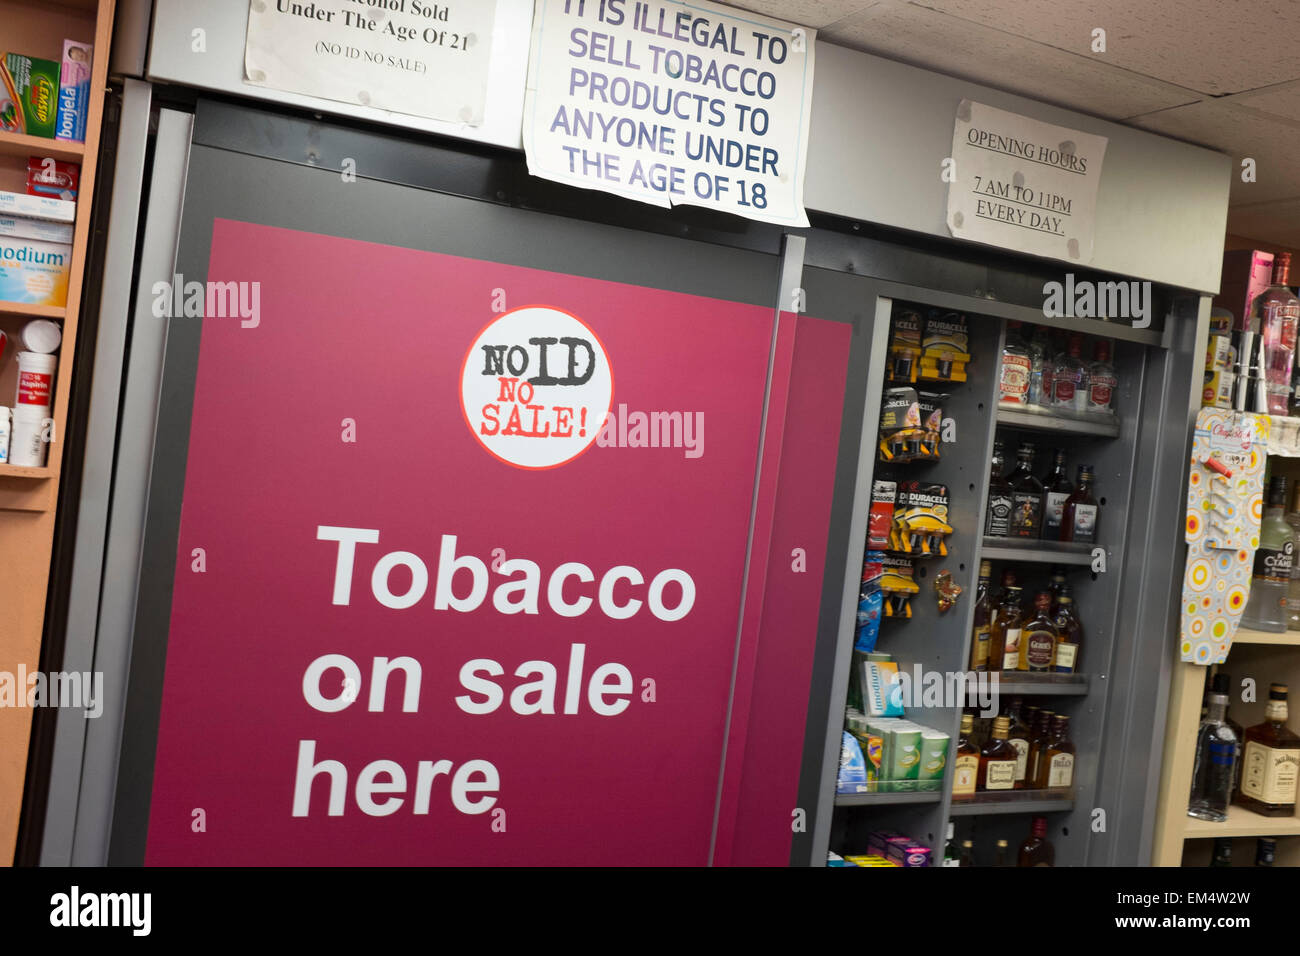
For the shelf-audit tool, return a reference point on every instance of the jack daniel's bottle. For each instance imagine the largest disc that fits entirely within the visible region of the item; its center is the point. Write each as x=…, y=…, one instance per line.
x=1270, y=761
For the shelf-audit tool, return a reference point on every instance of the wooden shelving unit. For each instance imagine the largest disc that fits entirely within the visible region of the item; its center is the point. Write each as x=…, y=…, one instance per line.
x=28, y=496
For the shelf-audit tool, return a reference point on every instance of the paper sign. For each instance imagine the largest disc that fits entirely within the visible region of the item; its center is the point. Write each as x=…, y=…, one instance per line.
x=671, y=103
x=407, y=56
x=1022, y=184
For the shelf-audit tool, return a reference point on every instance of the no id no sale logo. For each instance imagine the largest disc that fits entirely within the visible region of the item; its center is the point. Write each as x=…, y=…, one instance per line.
x=536, y=386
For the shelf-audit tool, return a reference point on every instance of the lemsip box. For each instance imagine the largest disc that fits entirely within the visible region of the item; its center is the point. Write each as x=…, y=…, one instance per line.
x=33, y=272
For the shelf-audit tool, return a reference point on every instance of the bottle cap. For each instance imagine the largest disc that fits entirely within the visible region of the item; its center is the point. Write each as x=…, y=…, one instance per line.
x=1277, y=691
x=1216, y=698
x=967, y=844
x=1039, y=827
x=1025, y=448
x=967, y=723
x=986, y=569
x=1043, y=601
x=1222, y=684
x=1002, y=843
x=41, y=335
x=1001, y=726
x=1101, y=352
x=1086, y=472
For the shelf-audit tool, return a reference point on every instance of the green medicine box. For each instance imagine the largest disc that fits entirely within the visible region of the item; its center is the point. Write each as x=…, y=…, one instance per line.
x=29, y=102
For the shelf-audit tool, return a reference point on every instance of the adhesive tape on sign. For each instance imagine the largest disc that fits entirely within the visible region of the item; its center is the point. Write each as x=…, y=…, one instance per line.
x=536, y=386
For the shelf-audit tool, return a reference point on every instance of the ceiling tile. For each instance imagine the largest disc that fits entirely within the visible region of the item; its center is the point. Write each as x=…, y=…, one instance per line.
x=1281, y=100
x=935, y=41
x=1277, y=223
x=1206, y=45
x=1273, y=142
x=809, y=13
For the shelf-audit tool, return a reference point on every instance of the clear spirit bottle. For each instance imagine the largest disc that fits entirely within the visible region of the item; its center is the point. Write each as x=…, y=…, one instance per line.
x=1102, y=381
x=1213, y=766
x=1270, y=583
x=1277, y=311
x=1016, y=368
x=1070, y=377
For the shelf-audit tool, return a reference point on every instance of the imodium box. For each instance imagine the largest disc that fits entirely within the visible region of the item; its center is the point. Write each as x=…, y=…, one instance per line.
x=74, y=91
x=37, y=207
x=34, y=272
x=42, y=230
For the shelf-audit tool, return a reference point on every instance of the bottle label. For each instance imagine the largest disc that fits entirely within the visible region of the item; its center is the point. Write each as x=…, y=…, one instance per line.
x=1000, y=775
x=1085, y=523
x=1053, y=513
x=1269, y=774
x=1022, y=756
x=1064, y=387
x=1024, y=514
x=1039, y=647
x=1065, y=657
x=967, y=769
x=1273, y=565
x=1060, y=770
x=999, y=523
x=1101, y=387
x=980, y=652
x=1015, y=378
x=1011, y=655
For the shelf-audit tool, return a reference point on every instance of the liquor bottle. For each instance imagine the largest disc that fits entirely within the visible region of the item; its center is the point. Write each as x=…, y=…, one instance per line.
x=997, y=524
x=1265, y=850
x=1055, y=583
x=967, y=763
x=1213, y=765
x=1222, y=684
x=1222, y=852
x=1057, y=487
x=1070, y=377
x=997, y=760
x=1102, y=381
x=967, y=853
x=951, y=857
x=1000, y=854
x=1270, y=756
x=1005, y=634
x=1293, y=589
x=1026, y=495
x=1271, y=578
x=1018, y=737
x=1037, y=850
x=1277, y=311
x=1056, y=765
x=1040, y=369
x=1069, y=634
x=1038, y=741
x=1079, y=519
x=1039, y=638
x=979, y=647
x=1016, y=366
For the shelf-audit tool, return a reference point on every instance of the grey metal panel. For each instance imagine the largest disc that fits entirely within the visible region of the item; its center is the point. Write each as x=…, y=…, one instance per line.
x=880, y=130
x=130, y=38
x=97, y=476
x=220, y=67
x=130, y=491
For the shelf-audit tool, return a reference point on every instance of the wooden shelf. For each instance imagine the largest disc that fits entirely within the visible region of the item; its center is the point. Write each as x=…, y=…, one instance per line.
x=16, y=144
x=1242, y=823
x=1042, y=552
x=1036, y=419
x=21, y=471
x=1286, y=639
x=54, y=312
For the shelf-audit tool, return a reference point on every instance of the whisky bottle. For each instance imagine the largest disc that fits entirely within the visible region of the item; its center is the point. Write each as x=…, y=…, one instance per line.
x=1222, y=852
x=1038, y=741
x=1026, y=496
x=1056, y=583
x=1037, y=850
x=1079, y=520
x=997, y=760
x=1005, y=635
x=1069, y=634
x=979, y=651
x=1056, y=766
x=950, y=855
x=1265, y=849
x=997, y=523
x=1039, y=637
x=1270, y=757
x=1018, y=737
x=967, y=853
x=1213, y=764
x=1057, y=487
x=1000, y=854
x=966, y=766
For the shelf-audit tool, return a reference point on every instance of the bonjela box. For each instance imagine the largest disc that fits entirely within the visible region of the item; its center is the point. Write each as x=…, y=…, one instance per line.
x=29, y=102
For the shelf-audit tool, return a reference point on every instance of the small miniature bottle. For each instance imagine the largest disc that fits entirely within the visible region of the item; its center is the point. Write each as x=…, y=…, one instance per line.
x=1026, y=495
x=1016, y=368
x=1039, y=637
x=997, y=523
x=1057, y=489
x=1056, y=765
x=1005, y=634
x=997, y=760
x=1079, y=519
x=951, y=856
x=1000, y=855
x=1038, y=741
x=1222, y=852
x=1037, y=850
x=1069, y=634
x=967, y=763
x=1271, y=578
x=1070, y=377
x=967, y=853
x=1265, y=850
x=1270, y=757
x=979, y=652
x=1101, y=381
x=1214, y=764
x=1018, y=737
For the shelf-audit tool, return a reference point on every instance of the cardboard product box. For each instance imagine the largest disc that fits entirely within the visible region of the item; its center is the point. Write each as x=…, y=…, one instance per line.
x=34, y=272
x=42, y=230
x=37, y=207
x=29, y=100
x=1246, y=273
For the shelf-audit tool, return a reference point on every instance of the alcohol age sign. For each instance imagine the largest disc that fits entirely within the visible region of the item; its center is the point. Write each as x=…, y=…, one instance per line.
x=428, y=617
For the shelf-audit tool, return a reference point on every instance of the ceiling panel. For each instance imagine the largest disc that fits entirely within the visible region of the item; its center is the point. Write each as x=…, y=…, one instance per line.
x=932, y=40
x=1212, y=46
x=1281, y=100
x=809, y=13
x=1277, y=223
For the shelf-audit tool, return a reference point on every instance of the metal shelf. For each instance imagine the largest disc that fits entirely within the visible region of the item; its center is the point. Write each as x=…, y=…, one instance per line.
x=1039, y=685
x=1036, y=419
x=1016, y=801
x=883, y=799
x=1011, y=549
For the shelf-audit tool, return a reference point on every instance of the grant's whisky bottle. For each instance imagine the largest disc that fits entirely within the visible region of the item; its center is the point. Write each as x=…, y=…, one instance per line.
x=1270, y=759
x=997, y=760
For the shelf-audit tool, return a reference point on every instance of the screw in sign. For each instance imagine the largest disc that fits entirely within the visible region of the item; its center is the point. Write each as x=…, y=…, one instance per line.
x=536, y=386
